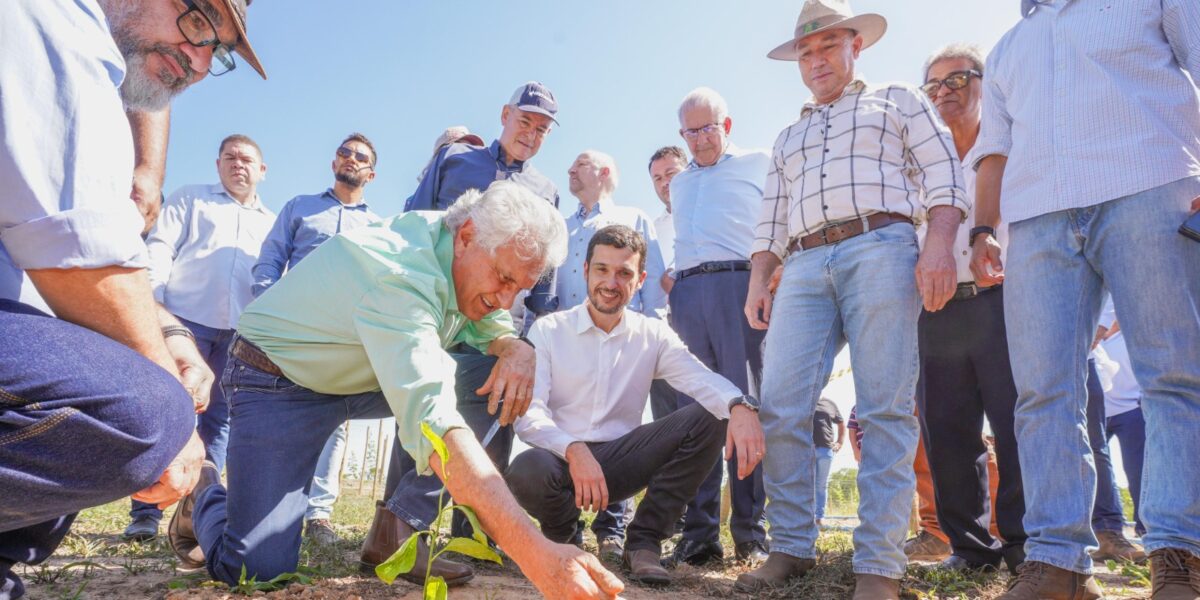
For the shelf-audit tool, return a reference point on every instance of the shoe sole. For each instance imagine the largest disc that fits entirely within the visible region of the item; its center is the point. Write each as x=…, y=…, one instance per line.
x=138, y=537
x=368, y=569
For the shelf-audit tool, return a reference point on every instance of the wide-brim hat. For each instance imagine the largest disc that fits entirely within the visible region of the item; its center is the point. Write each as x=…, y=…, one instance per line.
x=238, y=9
x=823, y=15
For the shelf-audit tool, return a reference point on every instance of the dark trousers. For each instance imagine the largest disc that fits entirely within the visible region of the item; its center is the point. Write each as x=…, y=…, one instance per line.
x=213, y=424
x=707, y=312
x=668, y=457
x=84, y=420
x=1130, y=428
x=965, y=375
x=414, y=497
x=1106, y=510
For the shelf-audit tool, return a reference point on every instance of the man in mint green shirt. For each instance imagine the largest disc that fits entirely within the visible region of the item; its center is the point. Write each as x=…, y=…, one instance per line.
x=360, y=329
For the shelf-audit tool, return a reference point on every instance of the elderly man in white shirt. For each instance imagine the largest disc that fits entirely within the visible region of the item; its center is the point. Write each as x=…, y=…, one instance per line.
x=201, y=252
x=847, y=181
x=595, y=363
x=1090, y=146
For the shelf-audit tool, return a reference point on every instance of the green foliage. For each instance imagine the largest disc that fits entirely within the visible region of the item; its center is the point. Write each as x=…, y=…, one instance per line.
x=435, y=589
x=843, y=493
x=1139, y=575
x=401, y=561
x=247, y=587
x=1126, y=504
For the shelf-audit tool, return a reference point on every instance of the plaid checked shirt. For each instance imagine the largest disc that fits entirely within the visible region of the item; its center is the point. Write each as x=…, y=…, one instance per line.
x=874, y=149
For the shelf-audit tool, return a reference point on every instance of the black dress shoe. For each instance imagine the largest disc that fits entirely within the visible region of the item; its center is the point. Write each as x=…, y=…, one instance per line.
x=962, y=565
x=753, y=552
x=697, y=553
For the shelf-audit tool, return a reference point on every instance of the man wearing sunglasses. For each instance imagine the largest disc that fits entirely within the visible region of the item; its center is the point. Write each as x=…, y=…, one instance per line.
x=91, y=403
x=847, y=181
x=965, y=371
x=306, y=221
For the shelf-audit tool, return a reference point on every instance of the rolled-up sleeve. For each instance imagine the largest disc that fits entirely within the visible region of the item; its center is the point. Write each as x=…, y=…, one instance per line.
x=771, y=234
x=931, y=151
x=995, y=129
x=398, y=327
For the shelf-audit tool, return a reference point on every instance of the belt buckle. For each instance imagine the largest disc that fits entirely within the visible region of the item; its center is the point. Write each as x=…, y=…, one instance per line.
x=972, y=290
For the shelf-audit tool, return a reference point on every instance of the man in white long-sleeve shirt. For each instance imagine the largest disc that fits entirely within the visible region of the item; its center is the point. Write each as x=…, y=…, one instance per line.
x=595, y=363
x=201, y=251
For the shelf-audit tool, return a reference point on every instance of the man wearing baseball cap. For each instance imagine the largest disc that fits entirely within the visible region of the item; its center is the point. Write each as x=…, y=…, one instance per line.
x=456, y=168
x=846, y=183
x=73, y=435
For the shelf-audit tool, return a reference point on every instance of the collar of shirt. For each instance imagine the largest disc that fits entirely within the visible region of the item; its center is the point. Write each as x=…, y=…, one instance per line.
x=1027, y=6
x=584, y=322
x=602, y=206
x=731, y=151
x=256, y=205
x=497, y=152
x=855, y=86
x=333, y=197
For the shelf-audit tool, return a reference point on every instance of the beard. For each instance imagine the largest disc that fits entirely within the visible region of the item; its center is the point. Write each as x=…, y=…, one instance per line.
x=352, y=178
x=141, y=90
x=602, y=305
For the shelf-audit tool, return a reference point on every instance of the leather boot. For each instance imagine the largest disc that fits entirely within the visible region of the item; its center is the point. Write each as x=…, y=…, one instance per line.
x=875, y=587
x=180, y=531
x=1115, y=546
x=1174, y=574
x=388, y=532
x=1040, y=581
x=777, y=571
x=646, y=566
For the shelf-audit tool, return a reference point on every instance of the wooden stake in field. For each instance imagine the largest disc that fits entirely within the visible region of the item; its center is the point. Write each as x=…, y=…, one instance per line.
x=362, y=463
x=378, y=454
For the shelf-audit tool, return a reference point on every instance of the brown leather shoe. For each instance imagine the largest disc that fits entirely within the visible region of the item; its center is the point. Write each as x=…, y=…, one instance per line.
x=875, y=587
x=1115, y=546
x=1175, y=574
x=1040, y=581
x=388, y=532
x=777, y=571
x=646, y=566
x=180, y=531
x=926, y=547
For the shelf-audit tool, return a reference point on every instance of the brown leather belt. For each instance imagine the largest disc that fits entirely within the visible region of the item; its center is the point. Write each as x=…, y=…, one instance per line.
x=253, y=356
x=846, y=230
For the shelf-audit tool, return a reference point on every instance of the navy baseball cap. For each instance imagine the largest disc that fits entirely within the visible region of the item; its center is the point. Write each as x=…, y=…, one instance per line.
x=535, y=97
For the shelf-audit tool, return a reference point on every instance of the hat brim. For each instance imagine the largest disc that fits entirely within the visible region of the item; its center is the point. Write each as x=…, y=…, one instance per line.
x=470, y=138
x=243, y=47
x=870, y=26
x=539, y=110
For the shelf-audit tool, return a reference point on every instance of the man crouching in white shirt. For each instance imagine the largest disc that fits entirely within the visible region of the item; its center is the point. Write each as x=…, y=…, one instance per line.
x=595, y=363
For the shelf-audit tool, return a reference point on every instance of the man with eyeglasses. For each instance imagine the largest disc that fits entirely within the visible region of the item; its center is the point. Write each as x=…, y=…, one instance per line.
x=1094, y=191
x=97, y=403
x=965, y=370
x=847, y=181
x=715, y=205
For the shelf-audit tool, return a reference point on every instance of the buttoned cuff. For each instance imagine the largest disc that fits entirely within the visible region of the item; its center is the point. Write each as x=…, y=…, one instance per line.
x=82, y=238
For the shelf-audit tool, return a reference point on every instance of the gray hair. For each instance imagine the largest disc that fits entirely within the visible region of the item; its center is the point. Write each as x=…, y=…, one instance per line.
x=705, y=97
x=508, y=213
x=970, y=52
x=603, y=160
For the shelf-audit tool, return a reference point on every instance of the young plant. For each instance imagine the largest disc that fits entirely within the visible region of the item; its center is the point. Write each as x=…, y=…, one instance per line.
x=475, y=546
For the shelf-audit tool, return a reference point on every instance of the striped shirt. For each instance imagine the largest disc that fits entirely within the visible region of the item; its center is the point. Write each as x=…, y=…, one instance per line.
x=874, y=149
x=1091, y=101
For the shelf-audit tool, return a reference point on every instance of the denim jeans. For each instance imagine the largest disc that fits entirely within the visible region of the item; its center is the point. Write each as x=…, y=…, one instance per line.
x=1058, y=266
x=84, y=420
x=824, y=462
x=213, y=424
x=859, y=291
x=327, y=478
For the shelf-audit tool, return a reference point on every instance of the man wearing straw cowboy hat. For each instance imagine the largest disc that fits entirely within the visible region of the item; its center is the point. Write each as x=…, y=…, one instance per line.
x=847, y=181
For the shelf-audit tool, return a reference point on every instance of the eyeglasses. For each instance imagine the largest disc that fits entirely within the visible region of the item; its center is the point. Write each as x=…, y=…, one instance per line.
x=361, y=157
x=692, y=134
x=955, y=81
x=199, y=31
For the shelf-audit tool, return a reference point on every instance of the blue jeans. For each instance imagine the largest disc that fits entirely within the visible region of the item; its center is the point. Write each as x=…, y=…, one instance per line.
x=1058, y=266
x=213, y=424
x=824, y=461
x=327, y=478
x=84, y=420
x=860, y=291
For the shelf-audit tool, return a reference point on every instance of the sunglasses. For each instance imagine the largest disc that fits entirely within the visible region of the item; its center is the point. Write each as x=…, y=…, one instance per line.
x=361, y=157
x=954, y=81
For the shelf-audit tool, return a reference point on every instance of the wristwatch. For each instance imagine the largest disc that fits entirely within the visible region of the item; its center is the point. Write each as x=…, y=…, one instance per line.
x=748, y=401
x=975, y=231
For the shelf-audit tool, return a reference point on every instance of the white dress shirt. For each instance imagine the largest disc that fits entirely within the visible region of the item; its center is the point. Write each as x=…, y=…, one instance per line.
x=201, y=252
x=716, y=207
x=962, y=240
x=592, y=386
x=876, y=149
x=664, y=226
x=1090, y=101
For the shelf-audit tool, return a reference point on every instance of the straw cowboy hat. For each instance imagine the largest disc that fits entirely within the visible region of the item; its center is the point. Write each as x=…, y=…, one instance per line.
x=824, y=15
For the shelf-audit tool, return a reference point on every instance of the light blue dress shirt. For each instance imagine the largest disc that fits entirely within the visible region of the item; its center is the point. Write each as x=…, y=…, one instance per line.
x=66, y=154
x=304, y=223
x=716, y=208
x=572, y=290
x=1092, y=101
x=201, y=253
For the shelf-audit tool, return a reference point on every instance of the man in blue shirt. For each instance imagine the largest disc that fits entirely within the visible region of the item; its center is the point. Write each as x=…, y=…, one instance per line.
x=91, y=406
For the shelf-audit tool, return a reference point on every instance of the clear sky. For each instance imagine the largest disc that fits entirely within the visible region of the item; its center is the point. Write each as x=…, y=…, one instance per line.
x=401, y=71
